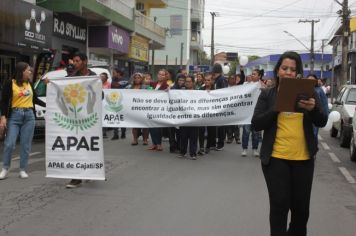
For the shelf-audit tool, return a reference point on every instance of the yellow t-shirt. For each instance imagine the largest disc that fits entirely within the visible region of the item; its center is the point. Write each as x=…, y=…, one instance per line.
x=21, y=95
x=290, y=141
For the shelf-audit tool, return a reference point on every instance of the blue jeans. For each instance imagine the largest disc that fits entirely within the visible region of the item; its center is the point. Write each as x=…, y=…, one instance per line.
x=156, y=136
x=21, y=121
x=246, y=130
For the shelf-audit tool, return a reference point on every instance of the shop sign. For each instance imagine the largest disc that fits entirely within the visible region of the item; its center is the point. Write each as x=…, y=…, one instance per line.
x=139, y=48
x=109, y=37
x=69, y=27
x=25, y=25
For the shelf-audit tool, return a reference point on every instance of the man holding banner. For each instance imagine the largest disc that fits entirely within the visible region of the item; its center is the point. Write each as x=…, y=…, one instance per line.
x=74, y=147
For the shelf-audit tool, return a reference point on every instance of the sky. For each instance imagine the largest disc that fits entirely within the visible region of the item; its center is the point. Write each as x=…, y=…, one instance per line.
x=255, y=27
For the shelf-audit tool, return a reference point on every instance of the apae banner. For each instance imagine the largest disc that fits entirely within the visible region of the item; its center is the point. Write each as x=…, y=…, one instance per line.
x=74, y=145
x=149, y=108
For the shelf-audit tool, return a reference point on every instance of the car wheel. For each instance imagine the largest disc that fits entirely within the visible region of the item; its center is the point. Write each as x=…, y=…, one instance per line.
x=333, y=132
x=344, y=140
x=352, y=149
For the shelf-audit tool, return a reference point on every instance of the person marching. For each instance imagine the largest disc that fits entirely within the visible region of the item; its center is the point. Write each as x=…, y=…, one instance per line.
x=189, y=134
x=288, y=151
x=137, y=83
x=80, y=61
x=18, y=116
x=156, y=133
x=211, y=130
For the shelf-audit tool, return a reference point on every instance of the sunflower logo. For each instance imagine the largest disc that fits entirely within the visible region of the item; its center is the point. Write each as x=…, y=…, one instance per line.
x=74, y=94
x=71, y=103
x=113, y=100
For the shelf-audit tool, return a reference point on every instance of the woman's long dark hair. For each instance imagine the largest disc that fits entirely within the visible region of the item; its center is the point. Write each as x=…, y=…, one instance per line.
x=260, y=73
x=288, y=55
x=20, y=68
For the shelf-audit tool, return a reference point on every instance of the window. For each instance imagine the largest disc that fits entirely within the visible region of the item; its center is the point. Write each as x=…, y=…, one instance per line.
x=351, y=97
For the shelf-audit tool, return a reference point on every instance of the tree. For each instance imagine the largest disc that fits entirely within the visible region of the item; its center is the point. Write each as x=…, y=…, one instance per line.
x=204, y=60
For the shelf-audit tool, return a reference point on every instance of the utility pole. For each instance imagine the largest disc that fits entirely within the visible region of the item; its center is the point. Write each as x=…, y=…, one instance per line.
x=181, y=55
x=322, y=57
x=344, y=13
x=312, y=56
x=213, y=14
x=153, y=54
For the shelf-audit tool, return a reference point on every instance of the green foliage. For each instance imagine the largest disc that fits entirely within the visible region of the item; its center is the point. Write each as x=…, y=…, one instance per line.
x=69, y=123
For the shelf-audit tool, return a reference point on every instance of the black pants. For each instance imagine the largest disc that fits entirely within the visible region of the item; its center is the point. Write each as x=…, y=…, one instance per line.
x=201, y=137
x=211, y=140
x=189, y=134
x=221, y=136
x=233, y=131
x=116, y=131
x=289, y=186
x=174, y=139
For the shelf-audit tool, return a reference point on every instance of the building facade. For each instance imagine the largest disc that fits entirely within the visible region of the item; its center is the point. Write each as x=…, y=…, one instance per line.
x=336, y=43
x=117, y=35
x=183, y=21
x=322, y=65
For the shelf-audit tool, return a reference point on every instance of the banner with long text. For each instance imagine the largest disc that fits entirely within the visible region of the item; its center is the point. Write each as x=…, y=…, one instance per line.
x=74, y=145
x=148, y=108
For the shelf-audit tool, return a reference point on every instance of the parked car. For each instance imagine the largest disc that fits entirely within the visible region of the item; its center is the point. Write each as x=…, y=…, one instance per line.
x=345, y=104
x=40, y=89
x=353, y=140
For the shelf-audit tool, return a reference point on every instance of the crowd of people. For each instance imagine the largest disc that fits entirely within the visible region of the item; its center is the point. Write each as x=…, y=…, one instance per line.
x=289, y=139
x=200, y=140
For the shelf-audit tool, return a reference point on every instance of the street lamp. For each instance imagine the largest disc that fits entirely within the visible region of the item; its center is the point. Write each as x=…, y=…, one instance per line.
x=285, y=31
x=213, y=15
x=306, y=47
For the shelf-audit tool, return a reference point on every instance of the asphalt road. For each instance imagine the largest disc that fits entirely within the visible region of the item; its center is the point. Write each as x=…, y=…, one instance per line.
x=157, y=194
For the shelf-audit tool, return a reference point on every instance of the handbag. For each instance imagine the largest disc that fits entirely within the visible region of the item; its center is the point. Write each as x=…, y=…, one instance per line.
x=2, y=134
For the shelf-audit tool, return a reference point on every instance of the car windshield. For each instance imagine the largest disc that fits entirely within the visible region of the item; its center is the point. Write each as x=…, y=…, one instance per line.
x=351, y=98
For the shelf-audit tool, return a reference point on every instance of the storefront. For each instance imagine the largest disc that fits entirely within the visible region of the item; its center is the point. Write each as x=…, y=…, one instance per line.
x=69, y=36
x=138, y=54
x=25, y=35
x=108, y=46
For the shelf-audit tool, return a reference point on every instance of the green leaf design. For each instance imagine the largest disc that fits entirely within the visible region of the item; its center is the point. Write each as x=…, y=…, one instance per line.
x=70, y=123
x=80, y=109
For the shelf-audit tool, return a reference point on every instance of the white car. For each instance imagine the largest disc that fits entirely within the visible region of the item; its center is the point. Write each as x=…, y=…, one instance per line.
x=40, y=89
x=345, y=104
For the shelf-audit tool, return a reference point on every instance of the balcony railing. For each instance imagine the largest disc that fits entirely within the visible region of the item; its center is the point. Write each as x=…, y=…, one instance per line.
x=118, y=6
x=149, y=24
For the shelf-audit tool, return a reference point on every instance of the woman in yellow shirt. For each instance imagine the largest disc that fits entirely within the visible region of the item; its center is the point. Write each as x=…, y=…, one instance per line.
x=288, y=151
x=18, y=115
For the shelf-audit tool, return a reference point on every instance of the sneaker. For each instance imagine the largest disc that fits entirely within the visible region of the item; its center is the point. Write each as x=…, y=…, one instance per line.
x=229, y=141
x=238, y=141
x=256, y=153
x=193, y=157
x=74, y=183
x=23, y=174
x=182, y=156
x=244, y=153
x=115, y=137
x=3, y=173
x=207, y=150
x=219, y=148
x=123, y=136
x=200, y=152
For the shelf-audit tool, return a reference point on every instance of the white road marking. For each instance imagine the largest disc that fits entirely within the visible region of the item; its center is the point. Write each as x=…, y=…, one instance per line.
x=31, y=154
x=320, y=138
x=325, y=145
x=347, y=175
x=334, y=158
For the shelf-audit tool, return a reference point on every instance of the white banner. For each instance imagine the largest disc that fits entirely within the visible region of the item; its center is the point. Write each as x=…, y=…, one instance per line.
x=74, y=144
x=149, y=108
